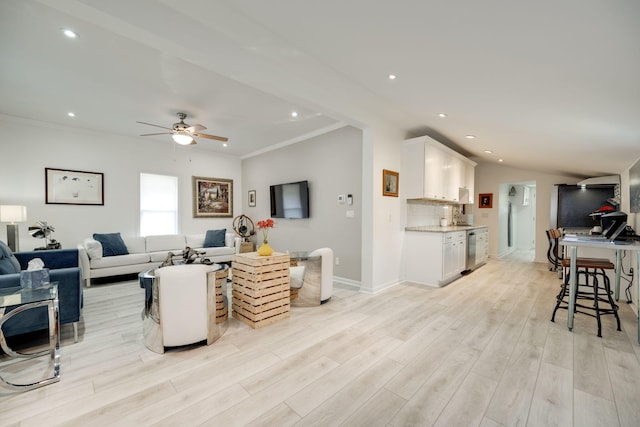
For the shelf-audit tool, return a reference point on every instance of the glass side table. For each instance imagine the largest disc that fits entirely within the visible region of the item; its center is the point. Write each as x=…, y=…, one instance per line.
x=26, y=299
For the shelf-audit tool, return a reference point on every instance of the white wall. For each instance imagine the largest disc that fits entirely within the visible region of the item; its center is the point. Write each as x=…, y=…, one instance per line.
x=488, y=178
x=384, y=216
x=332, y=163
x=121, y=159
x=633, y=219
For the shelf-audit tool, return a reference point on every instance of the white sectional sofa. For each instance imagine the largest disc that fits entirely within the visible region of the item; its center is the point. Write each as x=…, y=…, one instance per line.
x=146, y=253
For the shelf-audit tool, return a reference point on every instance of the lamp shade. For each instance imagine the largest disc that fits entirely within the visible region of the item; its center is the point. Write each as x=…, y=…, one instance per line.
x=182, y=138
x=13, y=213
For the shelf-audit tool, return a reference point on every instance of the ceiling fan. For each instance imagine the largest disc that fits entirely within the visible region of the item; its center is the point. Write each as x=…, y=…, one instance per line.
x=183, y=133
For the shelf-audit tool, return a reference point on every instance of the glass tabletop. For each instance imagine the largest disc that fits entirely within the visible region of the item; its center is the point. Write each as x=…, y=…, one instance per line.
x=18, y=295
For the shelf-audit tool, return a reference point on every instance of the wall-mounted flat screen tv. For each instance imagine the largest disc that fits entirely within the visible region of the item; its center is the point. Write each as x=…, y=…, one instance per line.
x=290, y=200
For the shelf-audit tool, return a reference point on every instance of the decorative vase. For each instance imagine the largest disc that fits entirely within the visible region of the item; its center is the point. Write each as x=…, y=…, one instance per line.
x=265, y=249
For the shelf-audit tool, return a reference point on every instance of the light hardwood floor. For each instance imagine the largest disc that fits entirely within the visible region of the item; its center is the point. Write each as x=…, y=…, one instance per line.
x=479, y=352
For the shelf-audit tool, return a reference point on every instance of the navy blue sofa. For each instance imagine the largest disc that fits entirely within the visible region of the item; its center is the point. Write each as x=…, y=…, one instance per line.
x=63, y=268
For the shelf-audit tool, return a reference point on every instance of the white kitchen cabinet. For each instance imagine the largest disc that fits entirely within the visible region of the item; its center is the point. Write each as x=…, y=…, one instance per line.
x=454, y=254
x=435, y=179
x=468, y=183
x=434, y=171
x=434, y=258
x=482, y=245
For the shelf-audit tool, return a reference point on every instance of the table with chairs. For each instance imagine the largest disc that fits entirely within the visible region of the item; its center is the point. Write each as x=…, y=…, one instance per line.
x=586, y=288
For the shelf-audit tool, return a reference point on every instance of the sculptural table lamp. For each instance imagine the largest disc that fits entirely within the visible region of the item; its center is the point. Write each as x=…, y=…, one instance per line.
x=13, y=214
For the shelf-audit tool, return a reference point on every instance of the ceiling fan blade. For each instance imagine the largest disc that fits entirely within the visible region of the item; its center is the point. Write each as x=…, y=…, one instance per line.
x=151, y=124
x=161, y=133
x=195, y=128
x=217, y=138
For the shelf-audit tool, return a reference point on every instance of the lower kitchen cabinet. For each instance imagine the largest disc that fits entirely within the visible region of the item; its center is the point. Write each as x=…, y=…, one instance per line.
x=482, y=246
x=434, y=258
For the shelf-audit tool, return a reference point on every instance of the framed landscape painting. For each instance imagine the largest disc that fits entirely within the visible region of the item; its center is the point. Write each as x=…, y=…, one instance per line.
x=212, y=197
x=71, y=187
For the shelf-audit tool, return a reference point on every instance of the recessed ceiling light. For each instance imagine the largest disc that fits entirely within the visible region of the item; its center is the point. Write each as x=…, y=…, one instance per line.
x=500, y=160
x=69, y=33
x=443, y=115
x=470, y=136
x=71, y=114
x=224, y=144
x=488, y=151
x=392, y=76
x=294, y=114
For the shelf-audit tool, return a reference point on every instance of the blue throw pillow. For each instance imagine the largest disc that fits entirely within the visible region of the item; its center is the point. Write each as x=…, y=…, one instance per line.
x=8, y=262
x=215, y=238
x=112, y=244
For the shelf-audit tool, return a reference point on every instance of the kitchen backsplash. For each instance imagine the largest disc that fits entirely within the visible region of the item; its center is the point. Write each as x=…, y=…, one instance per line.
x=421, y=213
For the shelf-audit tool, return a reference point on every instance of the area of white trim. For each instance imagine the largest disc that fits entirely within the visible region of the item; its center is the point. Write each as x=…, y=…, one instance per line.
x=297, y=139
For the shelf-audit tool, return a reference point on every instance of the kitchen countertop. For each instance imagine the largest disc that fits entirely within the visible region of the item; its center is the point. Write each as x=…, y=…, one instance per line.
x=439, y=229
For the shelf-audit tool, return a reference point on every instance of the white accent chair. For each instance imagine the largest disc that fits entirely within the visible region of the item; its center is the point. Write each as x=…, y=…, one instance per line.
x=187, y=307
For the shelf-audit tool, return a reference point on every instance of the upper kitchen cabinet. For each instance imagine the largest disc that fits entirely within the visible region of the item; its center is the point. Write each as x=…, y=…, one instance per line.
x=434, y=171
x=469, y=177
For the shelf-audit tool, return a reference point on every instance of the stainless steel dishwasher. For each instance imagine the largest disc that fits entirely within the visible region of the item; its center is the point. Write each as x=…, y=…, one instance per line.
x=471, y=250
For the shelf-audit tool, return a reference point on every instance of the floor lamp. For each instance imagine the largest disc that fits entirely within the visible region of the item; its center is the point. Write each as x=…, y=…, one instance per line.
x=13, y=214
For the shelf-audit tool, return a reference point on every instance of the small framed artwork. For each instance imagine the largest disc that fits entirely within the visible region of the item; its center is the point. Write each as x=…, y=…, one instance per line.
x=390, y=183
x=212, y=197
x=252, y=198
x=71, y=187
x=485, y=200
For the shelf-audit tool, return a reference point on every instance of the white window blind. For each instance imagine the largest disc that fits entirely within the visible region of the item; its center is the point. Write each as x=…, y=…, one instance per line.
x=158, y=204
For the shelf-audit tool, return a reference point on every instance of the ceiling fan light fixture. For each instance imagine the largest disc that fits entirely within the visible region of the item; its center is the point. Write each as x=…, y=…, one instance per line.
x=182, y=138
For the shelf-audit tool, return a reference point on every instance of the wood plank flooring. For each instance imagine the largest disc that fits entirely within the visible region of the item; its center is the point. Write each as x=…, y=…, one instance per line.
x=479, y=352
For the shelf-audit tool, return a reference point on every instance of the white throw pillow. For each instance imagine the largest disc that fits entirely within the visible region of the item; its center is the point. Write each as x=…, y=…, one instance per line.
x=93, y=248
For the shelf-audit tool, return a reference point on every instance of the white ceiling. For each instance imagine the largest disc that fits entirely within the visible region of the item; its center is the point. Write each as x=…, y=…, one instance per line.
x=546, y=85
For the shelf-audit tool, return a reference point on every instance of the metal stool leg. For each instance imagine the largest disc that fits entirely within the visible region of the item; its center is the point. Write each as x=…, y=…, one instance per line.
x=594, y=277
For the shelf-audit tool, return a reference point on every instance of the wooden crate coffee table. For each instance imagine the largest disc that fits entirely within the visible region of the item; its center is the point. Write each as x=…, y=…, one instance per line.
x=260, y=288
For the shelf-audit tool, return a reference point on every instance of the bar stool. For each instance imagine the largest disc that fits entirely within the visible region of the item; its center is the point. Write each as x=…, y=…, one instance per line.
x=553, y=253
x=598, y=291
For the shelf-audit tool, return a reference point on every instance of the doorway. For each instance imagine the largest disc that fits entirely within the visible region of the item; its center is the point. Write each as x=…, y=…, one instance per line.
x=517, y=221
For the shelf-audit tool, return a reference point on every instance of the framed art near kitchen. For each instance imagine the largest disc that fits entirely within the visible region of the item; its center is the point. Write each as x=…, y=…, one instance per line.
x=390, y=183
x=252, y=198
x=71, y=187
x=212, y=197
x=485, y=200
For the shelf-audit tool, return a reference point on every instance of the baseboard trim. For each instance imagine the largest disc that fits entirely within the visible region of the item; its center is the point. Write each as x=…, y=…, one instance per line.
x=351, y=284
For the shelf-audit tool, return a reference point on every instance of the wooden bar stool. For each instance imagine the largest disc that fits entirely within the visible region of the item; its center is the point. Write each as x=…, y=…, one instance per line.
x=596, y=288
x=553, y=254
